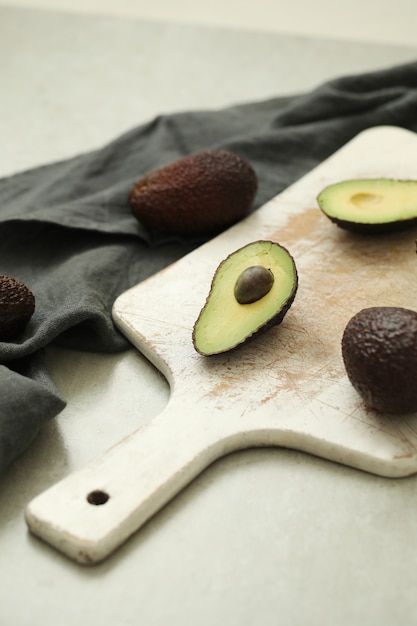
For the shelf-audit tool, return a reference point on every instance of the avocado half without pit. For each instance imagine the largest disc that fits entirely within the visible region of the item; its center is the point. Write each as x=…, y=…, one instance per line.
x=251, y=291
x=375, y=205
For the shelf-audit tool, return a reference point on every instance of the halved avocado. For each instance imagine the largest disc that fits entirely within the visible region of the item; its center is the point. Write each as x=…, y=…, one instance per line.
x=372, y=205
x=225, y=323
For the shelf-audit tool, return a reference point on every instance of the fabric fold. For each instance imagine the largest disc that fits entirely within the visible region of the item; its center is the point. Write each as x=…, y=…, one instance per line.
x=66, y=229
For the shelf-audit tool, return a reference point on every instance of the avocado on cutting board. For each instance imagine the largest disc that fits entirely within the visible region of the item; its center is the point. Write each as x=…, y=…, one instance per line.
x=288, y=387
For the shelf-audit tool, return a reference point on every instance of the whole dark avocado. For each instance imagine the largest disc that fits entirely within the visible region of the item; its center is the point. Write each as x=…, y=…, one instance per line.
x=370, y=205
x=197, y=195
x=379, y=350
x=17, y=305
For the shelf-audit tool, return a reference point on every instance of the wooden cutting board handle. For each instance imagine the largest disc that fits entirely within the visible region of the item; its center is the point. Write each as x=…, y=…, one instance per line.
x=94, y=510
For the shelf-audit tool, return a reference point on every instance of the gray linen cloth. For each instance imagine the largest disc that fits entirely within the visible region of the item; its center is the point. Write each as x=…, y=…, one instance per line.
x=66, y=229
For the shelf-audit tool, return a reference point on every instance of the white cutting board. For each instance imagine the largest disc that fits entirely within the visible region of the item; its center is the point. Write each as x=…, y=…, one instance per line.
x=287, y=388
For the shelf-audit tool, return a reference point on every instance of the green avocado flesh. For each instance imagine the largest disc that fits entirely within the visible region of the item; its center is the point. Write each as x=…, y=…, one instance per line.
x=370, y=205
x=224, y=323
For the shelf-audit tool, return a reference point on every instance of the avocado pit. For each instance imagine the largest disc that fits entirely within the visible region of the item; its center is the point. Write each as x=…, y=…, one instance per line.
x=253, y=284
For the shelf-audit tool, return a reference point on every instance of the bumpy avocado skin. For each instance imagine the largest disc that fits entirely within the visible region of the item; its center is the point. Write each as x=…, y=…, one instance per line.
x=390, y=220
x=374, y=229
x=251, y=332
x=197, y=195
x=17, y=305
x=379, y=350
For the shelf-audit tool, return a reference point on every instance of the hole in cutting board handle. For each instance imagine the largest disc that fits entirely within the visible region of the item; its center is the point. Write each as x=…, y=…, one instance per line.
x=97, y=497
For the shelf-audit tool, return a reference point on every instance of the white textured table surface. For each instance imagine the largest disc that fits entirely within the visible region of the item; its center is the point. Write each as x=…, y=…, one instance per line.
x=264, y=536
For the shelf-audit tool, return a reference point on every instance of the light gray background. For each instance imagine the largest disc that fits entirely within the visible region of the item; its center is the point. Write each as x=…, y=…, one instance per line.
x=263, y=536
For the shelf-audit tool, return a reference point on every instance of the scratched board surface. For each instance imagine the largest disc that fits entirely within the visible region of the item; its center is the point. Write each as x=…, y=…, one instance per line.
x=292, y=379
x=286, y=388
